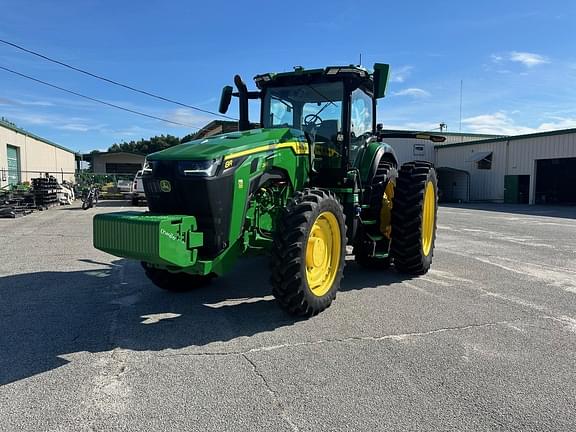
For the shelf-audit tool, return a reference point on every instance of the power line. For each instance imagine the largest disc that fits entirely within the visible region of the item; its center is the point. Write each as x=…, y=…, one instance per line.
x=119, y=84
x=97, y=100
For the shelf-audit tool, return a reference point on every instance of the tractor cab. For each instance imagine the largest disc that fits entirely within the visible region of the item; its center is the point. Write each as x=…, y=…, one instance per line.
x=335, y=107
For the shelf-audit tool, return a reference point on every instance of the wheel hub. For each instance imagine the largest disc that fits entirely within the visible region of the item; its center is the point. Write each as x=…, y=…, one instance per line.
x=318, y=252
x=323, y=253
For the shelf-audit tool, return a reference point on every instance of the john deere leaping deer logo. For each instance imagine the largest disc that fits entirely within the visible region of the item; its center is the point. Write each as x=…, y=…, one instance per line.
x=165, y=186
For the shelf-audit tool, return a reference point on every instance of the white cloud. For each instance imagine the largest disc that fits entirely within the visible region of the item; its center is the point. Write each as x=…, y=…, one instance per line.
x=76, y=127
x=56, y=121
x=401, y=74
x=500, y=123
x=38, y=103
x=188, y=117
x=6, y=101
x=412, y=92
x=496, y=58
x=528, y=59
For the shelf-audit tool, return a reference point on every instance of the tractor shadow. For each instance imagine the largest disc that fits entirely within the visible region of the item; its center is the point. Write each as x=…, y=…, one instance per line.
x=46, y=315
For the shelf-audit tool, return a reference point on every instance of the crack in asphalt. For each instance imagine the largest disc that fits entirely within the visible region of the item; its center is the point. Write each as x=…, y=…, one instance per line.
x=272, y=393
x=394, y=337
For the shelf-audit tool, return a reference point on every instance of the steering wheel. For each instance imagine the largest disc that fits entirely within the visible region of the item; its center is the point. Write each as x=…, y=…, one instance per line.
x=312, y=120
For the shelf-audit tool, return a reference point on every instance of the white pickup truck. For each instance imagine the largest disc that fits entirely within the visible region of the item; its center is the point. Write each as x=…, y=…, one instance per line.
x=138, y=189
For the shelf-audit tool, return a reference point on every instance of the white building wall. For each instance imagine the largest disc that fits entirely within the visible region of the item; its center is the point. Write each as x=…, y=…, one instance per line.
x=100, y=160
x=515, y=156
x=524, y=152
x=406, y=151
x=485, y=185
x=36, y=157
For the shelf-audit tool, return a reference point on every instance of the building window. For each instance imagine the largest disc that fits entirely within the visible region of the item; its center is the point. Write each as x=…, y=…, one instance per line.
x=485, y=163
x=419, y=150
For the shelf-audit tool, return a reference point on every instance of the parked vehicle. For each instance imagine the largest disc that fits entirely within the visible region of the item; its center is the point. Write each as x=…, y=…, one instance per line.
x=124, y=187
x=138, y=189
x=90, y=197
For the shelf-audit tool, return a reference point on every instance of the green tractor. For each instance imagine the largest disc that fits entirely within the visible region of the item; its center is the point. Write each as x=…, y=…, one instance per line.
x=312, y=178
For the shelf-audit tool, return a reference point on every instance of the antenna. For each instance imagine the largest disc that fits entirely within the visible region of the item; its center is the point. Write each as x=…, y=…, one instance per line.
x=360, y=64
x=461, y=85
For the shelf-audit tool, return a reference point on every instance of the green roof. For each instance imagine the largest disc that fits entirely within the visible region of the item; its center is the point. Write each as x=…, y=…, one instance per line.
x=8, y=125
x=510, y=138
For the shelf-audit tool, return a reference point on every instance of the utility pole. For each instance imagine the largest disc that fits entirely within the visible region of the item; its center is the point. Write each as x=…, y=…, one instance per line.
x=461, y=85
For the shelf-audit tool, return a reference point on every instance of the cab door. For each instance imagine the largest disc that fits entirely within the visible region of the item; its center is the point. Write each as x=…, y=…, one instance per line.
x=361, y=115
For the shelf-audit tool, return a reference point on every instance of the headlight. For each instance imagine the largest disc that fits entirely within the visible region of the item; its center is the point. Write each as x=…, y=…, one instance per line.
x=205, y=168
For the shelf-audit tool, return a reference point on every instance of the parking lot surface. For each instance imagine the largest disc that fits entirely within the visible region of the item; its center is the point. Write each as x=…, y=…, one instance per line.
x=485, y=341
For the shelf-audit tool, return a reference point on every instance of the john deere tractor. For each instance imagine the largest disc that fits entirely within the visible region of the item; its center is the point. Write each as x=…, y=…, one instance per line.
x=312, y=178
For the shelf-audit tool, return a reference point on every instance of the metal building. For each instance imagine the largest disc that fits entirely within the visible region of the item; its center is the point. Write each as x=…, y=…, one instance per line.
x=115, y=162
x=24, y=156
x=537, y=168
x=408, y=149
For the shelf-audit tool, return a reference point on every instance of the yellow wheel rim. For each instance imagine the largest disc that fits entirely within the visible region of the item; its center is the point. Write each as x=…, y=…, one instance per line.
x=323, y=253
x=428, y=216
x=386, y=210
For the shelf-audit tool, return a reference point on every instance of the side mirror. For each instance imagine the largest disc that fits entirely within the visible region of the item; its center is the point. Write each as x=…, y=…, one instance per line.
x=225, y=99
x=380, y=76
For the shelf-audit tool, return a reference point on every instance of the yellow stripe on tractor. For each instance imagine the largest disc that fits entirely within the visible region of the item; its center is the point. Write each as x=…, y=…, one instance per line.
x=299, y=148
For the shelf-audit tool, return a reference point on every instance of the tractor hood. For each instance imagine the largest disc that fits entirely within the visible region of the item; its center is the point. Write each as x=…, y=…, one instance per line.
x=226, y=144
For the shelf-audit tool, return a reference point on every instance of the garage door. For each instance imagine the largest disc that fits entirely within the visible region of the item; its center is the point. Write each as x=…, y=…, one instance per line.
x=453, y=185
x=13, y=157
x=555, y=180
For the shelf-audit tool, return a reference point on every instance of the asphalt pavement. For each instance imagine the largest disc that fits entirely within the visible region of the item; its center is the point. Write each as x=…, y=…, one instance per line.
x=485, y=341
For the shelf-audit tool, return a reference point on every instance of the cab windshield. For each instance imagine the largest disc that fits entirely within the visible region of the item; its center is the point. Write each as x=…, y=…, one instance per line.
x=312, y=108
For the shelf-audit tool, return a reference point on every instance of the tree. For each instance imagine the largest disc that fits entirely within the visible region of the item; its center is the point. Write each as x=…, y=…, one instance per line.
x=189, y=137
x=151, y=145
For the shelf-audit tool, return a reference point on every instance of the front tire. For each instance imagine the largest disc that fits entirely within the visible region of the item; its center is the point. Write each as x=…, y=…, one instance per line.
x=175, y=282
x=414, y=218
x=308, y=253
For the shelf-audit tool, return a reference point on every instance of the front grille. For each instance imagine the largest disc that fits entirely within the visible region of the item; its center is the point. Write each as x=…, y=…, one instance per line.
x=209, y=199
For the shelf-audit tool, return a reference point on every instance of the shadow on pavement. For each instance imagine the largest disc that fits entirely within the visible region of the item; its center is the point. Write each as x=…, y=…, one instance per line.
x=46, y=315
x=567, y=212
x=105, y=204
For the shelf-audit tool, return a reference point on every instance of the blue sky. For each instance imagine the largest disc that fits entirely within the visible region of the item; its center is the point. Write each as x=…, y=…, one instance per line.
x=517, y=60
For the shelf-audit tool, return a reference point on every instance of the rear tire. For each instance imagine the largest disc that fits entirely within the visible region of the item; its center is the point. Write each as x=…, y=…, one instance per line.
x=175, y=282
x=308, y=253
x=414, y=218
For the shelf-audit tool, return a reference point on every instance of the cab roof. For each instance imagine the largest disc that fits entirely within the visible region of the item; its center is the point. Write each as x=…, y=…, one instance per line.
x=307, y=76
